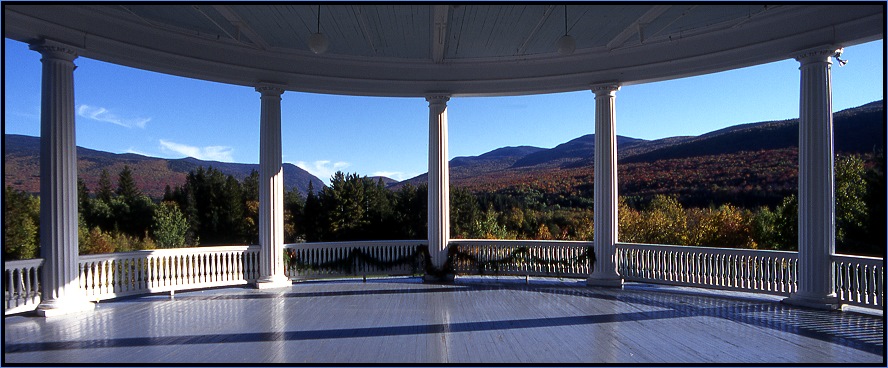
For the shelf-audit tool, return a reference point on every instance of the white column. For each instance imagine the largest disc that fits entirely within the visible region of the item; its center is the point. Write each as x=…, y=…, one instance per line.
x=816, y=192
x=61, y=290
x=605, y=201
x=439, y=183
x=271, y=191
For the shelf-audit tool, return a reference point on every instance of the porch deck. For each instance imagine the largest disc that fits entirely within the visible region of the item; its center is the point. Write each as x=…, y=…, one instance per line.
x=474, y=320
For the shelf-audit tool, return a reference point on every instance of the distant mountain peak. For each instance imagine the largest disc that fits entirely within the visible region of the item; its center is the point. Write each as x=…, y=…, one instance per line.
x=152, y=174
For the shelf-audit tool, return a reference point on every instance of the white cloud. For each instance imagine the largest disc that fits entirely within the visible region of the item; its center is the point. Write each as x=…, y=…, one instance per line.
x=397, y=175
x=323, y=169
x=104, y=115
x=133, y=150
x=212, y=153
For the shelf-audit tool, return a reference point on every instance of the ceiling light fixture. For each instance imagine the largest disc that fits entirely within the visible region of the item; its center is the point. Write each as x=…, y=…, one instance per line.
x=838, y=56
x=317, y=42
x=566, y=44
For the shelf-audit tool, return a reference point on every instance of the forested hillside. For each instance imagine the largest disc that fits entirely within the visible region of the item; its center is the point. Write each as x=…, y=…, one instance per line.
x=151, y=174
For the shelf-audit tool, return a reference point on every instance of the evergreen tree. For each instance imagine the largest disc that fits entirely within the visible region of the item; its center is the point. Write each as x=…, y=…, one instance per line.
x=126, y=185
x=104, y=192
x=294, y=208
x=464, y=212
x=311, y=216
x=134, y=211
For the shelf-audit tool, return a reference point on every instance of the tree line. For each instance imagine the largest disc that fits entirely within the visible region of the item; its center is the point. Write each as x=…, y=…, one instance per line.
x=211, y=208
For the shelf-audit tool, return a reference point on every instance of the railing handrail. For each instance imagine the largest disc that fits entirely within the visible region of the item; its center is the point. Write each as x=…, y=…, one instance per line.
x=860, y=259
x=355, y=243
x=34, y=262
x=523, y=242
x=167, y=252
x=715, y=250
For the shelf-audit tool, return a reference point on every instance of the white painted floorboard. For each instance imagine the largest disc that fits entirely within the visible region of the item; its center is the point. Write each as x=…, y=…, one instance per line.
x=475, y=320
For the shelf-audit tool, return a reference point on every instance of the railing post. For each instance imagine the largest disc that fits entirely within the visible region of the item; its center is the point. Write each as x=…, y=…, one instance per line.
x=816, y=178
x=604, y=272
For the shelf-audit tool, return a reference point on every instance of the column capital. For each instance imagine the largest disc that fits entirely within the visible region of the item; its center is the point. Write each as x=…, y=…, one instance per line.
x=819, y=54
x=54, y=50
x=270, y=89
x=605, y=88
x=437, y=99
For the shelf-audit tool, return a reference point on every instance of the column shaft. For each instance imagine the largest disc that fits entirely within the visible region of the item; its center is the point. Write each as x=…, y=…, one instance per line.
x=816, y=178
x=439, y=181
x=61, y=290
x=271, y=191
x=605, y=201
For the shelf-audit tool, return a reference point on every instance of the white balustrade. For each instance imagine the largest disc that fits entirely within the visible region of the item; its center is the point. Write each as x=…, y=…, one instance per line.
x=353, y=258
x=762, y=271
x=860, y=280
x=522, y=257
x=111, y=275
x=22, y=285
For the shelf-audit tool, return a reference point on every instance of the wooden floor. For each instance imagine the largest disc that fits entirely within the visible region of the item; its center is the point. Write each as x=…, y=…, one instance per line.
x=475, y=320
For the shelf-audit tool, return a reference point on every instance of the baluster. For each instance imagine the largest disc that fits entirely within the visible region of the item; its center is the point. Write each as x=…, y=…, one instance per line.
x=176, y=273
x=711, y=269
x=688, y=265
x=104, y=279
x=750, y=271
x=9, y=293
x=694, y=261
x=866, y=287
x=30, y=285
x=25, y=284
x=720, y=270
x=232, y=266
x=226, y=266
x=168, y=270
x=155, y=272
x=116, y=276
x=222, y=270
x=850, y=290
x=855, y=282
x=670, y=265
x=239, y=266
x=879, y=286
x=158, y=271
x=210, y=260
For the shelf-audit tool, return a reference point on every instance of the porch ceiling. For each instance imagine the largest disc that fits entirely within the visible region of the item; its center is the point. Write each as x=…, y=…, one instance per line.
x=414, y=50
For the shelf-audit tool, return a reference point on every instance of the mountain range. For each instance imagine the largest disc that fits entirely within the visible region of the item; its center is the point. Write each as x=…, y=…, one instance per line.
x=747, y=158
x=769, y=145
x=151, y=174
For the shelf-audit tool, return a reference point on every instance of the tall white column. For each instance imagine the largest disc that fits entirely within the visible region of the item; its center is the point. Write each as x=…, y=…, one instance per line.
x=271, y=191
x=61, y=290
x=816, y=192
x=605, y=201
x=439, y=183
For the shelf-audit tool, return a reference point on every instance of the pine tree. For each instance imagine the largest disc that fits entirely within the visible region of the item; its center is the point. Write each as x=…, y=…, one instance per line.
x=104, y=192
x=126, y=186
x=311, y=216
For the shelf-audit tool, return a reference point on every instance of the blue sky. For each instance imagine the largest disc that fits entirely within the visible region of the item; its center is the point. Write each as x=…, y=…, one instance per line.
x=121, y=110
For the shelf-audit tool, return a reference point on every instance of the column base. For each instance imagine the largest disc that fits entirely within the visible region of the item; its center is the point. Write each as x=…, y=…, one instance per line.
x=445, y=279
x=59, y=308
x=610, y=282
x=273, y=282
x=830, y=302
